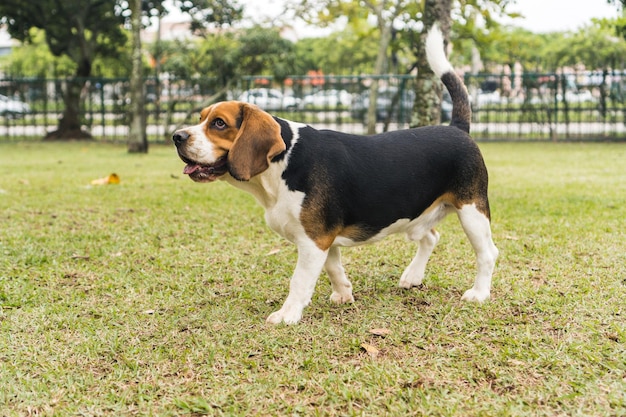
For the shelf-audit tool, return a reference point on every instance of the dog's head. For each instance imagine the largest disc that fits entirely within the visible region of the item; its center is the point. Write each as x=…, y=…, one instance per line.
x=232, y=137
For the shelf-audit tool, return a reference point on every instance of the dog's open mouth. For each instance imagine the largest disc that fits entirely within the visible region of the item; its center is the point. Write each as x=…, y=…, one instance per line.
x=206, y=172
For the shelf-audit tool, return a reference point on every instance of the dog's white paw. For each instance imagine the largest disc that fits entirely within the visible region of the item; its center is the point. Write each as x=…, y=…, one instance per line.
x=285, y=315
x=339, y=298
x=475, y=296
x=408, y=282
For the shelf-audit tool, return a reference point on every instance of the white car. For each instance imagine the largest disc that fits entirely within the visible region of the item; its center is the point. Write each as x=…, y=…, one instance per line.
x=12, y=108
x=580, y=96
x=328, y=99
x=269, y=99
x=486, y=98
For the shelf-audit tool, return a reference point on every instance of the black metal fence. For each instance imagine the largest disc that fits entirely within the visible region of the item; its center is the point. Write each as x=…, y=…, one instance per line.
x=583, y=105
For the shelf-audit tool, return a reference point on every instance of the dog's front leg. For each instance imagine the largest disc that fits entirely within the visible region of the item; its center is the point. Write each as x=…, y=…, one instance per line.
x=311, y=260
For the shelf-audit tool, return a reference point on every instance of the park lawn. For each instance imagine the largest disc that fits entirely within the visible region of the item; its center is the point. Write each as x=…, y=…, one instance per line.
x=150, y=297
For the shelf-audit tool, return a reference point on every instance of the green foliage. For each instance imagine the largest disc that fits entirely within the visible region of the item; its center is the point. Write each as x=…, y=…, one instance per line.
x=509, y=45
x=263, y=51
x=345, y=52
x=207, y=14
x=85, y=30
x=78, y=29
x=179, y=58
x=352, y=50
x=595, y=46
x=253, y=51
x=473, y=17
x=34, y=59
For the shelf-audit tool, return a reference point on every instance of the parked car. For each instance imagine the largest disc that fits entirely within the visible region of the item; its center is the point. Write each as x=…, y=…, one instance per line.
x=488, y=98
x=269, y=99
x=578, y=96
x=399, y=107
x=10, y=107
x=400, y=112
x=328, y=99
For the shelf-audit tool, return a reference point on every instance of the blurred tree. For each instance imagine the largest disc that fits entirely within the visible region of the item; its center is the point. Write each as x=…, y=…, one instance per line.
x=263, y=51
x=36, y=60
x=595, y=46
x=85, y=29
x=79, y=29
x=620, y=22
x=402, y=25
x=507, y=45
x=226, y=56
x=205, y=14
x=344, y=52
x=428, y=88
x=473, y=19
x=216, y=56
x=137, y=135
x=385, y=13
x=208, y=15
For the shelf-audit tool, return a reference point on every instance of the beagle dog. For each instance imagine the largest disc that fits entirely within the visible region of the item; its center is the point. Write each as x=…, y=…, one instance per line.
x=323, y=189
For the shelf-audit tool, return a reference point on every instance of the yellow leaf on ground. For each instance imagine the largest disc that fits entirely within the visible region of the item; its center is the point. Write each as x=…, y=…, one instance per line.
x=109, y=179
x=371, y=350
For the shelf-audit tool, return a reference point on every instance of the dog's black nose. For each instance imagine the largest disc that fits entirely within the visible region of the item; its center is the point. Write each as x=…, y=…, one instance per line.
x=180, y=136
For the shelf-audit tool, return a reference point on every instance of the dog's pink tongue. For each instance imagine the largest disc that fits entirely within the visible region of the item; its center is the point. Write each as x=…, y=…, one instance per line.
x=190, y=169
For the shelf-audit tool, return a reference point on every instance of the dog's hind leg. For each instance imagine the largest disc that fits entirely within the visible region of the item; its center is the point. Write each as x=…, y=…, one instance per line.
x=342, y=288
x=311, y=260
x=478, y=229
x=413, y=275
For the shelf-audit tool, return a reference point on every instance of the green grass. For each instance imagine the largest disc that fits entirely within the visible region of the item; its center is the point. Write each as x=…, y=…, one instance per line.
x=150, y=297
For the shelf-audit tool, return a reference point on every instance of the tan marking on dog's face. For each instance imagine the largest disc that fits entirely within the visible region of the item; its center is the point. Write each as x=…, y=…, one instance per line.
x=258, y=142
x=213, y=137
x=241, y=132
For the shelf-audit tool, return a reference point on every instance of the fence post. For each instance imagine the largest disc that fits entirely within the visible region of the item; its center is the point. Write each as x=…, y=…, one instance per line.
x=555, y=123
x=100, y=84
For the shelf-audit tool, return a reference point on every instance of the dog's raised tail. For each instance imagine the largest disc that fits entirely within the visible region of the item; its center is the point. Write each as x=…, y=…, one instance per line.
x=436, y=55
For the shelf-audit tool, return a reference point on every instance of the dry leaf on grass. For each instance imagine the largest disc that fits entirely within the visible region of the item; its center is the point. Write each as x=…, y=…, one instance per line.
x=370, y=349
x=109, y=179
x=380, y=332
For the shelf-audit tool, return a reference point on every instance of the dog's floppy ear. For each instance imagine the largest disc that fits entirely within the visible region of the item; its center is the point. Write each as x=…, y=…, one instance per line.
x=257, y=142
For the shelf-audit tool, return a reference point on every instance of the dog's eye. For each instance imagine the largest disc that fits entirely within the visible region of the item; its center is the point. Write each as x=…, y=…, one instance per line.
x=219, y=123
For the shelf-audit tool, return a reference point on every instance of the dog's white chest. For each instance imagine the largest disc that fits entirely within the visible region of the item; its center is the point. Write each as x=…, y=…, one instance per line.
x=284, y=216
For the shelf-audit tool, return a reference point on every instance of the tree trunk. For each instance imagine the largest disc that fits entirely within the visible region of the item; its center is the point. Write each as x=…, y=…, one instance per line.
x=137, y=138
x=381, y=60
x=69, y=127
x=428, y=88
